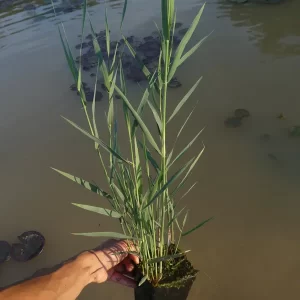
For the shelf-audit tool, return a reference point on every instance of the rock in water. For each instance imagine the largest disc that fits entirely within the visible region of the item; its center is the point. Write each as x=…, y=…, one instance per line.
x=295, y=131
x=90, y=96
x=233, y=122
x=32, y=244
x=241, y=113
x=265, y=137
x=178, y=25
x=183, y=31
x=4, y=251
x=174, y=83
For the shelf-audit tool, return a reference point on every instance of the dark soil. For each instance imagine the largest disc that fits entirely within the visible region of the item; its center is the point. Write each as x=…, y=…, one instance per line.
x=179, y=276
x=5, y=249
x=32, y=244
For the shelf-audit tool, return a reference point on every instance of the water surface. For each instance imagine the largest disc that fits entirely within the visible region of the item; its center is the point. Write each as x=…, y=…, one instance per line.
x=251, y=186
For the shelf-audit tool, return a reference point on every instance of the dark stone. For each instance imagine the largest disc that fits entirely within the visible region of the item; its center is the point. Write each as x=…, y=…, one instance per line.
x=90, y=96
x=68, y=9
x=174, y=83
x=73, y=87
x=281, y=116
x=130, y=39
x=113, y=45
x=29, y=7
x=183, y=31
x=5, y=249
x=178, y=25
x=86, y=68
x=233, y=122
x=89, y=37
x=148, y=38
x=103, y=87
x=294, y=131
x=152, y=53
x=176, y=41
x=83, y=45
x=241, y=113
x=272, y=156
x=265, y=137
x=32, y=244
x=136, y=74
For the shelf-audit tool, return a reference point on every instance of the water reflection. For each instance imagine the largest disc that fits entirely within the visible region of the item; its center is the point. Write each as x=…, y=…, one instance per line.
x=275, y=29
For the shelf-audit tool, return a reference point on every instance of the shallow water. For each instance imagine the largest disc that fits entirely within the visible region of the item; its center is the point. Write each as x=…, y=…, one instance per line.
x=251, y=186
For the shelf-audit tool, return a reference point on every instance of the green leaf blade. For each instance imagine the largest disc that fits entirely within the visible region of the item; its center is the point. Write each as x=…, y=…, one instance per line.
x=184, y=99
x=99, y=210
x=196, y=227
x=115, y=235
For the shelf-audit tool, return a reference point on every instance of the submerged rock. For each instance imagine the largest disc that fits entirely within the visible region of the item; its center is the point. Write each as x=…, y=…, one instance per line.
x=265, y=137
x=233, y=122
x=83, y=45
x=5, y=249
x=183, y=31
x=272, y=156
x=174, y=83
x=90, y=96
x=178, y=25
x=29, y=7
x=294, y=131
x=241, y=113
x=32, y=244
x=281, y=116
x=135, y=73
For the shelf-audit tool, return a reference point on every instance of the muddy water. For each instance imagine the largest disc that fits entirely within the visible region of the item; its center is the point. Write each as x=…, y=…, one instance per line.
x=251, y=186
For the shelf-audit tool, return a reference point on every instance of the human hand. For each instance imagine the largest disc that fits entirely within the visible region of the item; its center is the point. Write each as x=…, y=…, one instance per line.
x=112, y=262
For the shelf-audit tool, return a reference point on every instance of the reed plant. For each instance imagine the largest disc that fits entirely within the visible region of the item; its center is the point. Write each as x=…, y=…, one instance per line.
x=143, y=187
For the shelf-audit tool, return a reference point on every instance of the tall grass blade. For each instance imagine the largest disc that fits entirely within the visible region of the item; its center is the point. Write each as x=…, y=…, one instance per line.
x=123, y=13
x=184, y=99
x=183, y=43
x=140, y=109
x=139, y=120
x=150, y=157
x=196, y=227
x=114, y=235
x=193, y=49
x=107, y=34
x=89, y=186
x=165, y=186
x=156, y=117
x=193, y=185
x=99, y=210
x=94, y=109
x=98, y=141
x=186, y=148
x=134, y=54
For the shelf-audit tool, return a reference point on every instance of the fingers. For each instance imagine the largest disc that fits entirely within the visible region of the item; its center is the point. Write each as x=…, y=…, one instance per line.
x=134, y=258
x=125, y=266
x=114, y=252
x=122, y=279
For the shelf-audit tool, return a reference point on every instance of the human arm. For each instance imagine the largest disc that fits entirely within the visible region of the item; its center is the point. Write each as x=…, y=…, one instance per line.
x=111, y=262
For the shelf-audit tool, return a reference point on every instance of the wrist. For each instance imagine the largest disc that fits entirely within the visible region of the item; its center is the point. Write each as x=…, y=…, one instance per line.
x=90, y=263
